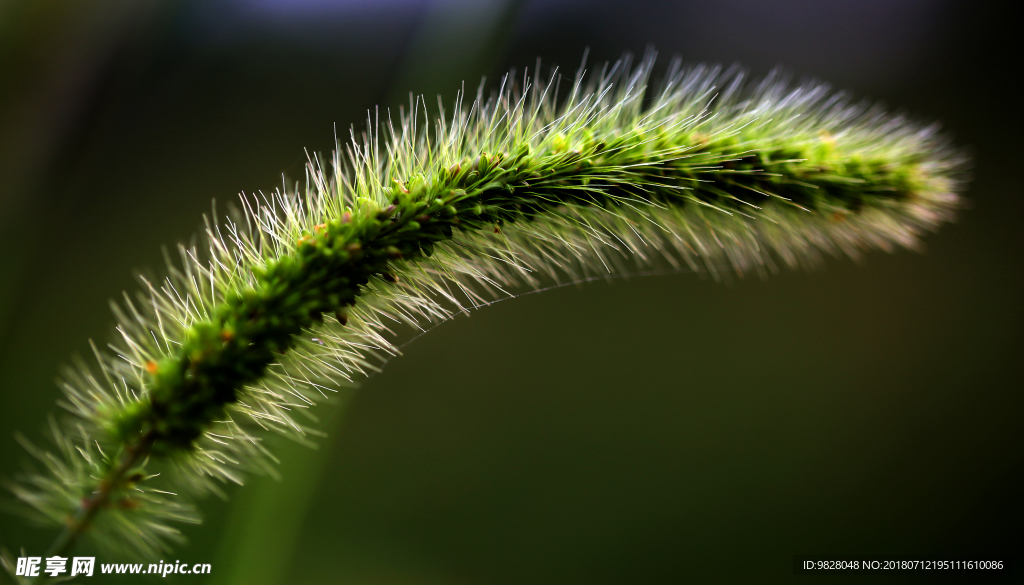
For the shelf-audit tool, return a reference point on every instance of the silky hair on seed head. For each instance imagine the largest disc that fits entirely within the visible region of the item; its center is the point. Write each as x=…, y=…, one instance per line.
x=428, y=212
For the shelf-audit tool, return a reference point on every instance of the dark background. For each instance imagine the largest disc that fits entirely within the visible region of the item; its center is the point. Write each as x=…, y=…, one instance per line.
x=658, y=429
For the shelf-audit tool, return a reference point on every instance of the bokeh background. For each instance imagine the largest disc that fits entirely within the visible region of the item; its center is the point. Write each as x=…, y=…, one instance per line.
x=651, y=430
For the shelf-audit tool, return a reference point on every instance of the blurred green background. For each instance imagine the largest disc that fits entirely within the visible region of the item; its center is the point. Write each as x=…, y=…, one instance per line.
x=651, y=430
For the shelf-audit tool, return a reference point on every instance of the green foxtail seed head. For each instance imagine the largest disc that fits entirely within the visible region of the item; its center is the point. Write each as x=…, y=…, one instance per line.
x=427, y=215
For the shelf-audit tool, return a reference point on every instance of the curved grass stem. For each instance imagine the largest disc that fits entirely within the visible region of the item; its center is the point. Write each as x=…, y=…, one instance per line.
x=295, y=295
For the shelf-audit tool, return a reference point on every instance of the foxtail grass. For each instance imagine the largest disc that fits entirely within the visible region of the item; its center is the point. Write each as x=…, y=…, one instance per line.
x=430, y=212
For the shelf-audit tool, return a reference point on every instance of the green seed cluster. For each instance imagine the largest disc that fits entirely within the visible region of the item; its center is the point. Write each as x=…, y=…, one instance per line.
x=418, y=223
x=331, y=265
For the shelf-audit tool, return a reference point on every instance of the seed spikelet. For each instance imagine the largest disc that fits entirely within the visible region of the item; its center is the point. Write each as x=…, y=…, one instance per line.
x=426, y=215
